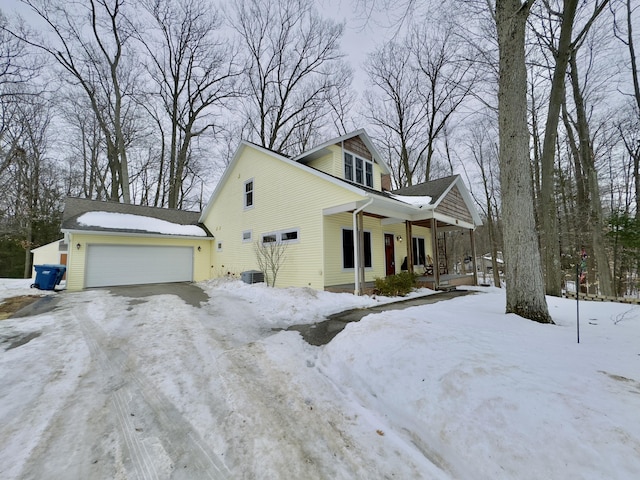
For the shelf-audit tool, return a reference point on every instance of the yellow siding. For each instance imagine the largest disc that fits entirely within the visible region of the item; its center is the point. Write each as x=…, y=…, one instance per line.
x=285, y=197
x=46, y=254
x=331, y=163
x=77, y=257
x=333, y=225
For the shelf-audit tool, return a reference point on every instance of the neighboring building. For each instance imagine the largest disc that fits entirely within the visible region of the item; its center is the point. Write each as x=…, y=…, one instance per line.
x=330, y=206
x=54, y=253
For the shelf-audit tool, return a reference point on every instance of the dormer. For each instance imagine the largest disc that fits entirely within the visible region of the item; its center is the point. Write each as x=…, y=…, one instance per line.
x=352, y=158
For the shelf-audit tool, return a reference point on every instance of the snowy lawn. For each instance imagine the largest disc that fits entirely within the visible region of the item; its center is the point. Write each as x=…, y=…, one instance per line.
x=118, y=387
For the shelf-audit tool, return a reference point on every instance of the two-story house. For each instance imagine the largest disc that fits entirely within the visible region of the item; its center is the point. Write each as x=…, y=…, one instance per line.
x=331, y=207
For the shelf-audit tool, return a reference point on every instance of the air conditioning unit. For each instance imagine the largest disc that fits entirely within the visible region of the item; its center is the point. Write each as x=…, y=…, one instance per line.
x=252, y=276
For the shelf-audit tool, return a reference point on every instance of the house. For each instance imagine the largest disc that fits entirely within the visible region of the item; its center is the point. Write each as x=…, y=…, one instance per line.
x=330, y=207
x=333, y=208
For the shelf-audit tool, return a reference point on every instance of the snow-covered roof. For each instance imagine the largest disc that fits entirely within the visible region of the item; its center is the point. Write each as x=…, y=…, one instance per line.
x=418, y=201
x=93, y=215
x=127, y=221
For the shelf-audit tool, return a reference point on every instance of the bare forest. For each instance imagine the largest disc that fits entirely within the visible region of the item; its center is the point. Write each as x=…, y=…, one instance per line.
x=536, y=104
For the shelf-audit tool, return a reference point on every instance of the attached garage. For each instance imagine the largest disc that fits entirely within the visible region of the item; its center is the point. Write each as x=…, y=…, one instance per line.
x=113, y=244
x=110, y=265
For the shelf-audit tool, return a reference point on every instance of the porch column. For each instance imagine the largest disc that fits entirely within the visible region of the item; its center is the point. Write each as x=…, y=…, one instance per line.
x=436, y=256
x=360, y=252
x=409, y=246
x=473, y=256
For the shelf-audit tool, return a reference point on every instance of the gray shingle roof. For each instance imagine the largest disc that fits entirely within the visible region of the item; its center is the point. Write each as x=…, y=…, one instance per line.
x=434, y=188
x=75, y=207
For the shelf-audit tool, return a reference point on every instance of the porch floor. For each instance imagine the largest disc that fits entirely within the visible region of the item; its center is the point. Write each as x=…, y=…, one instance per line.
x=426, y=281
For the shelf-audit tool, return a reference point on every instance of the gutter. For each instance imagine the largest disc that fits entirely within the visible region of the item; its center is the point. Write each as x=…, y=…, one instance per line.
x=356, y=245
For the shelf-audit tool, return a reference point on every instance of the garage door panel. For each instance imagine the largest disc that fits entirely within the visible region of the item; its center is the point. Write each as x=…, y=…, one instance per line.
x=110, y=265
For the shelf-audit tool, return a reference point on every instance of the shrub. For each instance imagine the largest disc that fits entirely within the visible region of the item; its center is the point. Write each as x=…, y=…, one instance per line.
x=395, y=285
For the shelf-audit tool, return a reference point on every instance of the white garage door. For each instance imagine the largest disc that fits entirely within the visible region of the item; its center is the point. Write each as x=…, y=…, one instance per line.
x=109, y=265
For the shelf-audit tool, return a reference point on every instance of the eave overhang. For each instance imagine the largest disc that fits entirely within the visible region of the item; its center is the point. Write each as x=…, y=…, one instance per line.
x=124, y=233
x=392, y=211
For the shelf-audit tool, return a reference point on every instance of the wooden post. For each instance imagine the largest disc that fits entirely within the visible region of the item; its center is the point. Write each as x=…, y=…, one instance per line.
x=436, y=255
x=473, y=256
x=409, y=246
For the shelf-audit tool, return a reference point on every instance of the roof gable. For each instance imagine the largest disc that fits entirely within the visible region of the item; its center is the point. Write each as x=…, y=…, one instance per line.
x=351, y=141
x=449, y=196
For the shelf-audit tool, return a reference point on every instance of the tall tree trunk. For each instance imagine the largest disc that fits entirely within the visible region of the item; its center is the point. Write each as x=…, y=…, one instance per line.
x=548, y=215
x=587, y=159
x=525, y=286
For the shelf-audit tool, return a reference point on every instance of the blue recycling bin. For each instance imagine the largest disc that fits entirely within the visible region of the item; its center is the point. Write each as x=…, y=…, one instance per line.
x=48, y=276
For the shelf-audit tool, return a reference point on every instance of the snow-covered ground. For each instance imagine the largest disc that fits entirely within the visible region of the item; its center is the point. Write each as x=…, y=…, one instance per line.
x=117, y=387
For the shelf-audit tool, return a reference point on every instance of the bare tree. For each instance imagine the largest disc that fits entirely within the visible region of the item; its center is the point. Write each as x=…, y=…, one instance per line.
x=561, y=53
x=623, y=31
x=270, y=257
x=30, y=184
x=17, y=71
x=445, y=80
x=396, y=109
x=523, y=272
x=484, y=150
x=88, y=39
x=587, y=160
x=420, y=83
x=195, y=72
x=295, y=70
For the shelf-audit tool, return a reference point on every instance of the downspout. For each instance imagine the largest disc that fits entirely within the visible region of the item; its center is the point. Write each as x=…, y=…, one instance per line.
x=356, y=246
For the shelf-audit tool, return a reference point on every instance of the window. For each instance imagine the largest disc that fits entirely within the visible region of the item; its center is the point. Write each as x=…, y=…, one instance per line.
x=248, y=193
x=348, y=166
x=358, y=169
x=348, y=260
x=247, y=236
x=419, y=253
x=288, y=236
x=282, y=236
x=219, y=246
x=368, y=174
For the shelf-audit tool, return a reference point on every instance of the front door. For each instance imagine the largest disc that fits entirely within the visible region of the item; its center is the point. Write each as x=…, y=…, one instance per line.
x=389, y=254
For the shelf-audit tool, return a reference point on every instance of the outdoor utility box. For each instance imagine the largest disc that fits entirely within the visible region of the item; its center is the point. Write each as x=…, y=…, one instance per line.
x=48, y=276
x=252, y=276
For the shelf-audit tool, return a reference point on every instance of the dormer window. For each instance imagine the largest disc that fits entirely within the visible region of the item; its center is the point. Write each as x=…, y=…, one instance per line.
x=358, y=169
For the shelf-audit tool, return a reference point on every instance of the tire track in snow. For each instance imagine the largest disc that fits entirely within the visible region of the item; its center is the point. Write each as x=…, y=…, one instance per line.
x=189, y=455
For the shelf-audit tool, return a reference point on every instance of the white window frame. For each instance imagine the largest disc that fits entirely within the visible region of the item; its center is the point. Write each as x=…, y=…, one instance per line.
x=244, y=194
x=250, y=238
x=354, y=162
x=219, y=246
x=279, y=234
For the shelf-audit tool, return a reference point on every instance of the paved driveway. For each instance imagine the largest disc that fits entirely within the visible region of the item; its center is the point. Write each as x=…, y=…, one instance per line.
x=190, y=293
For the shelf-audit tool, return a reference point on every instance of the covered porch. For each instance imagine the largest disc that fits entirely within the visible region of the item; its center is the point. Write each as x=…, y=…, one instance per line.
x=421, y=215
